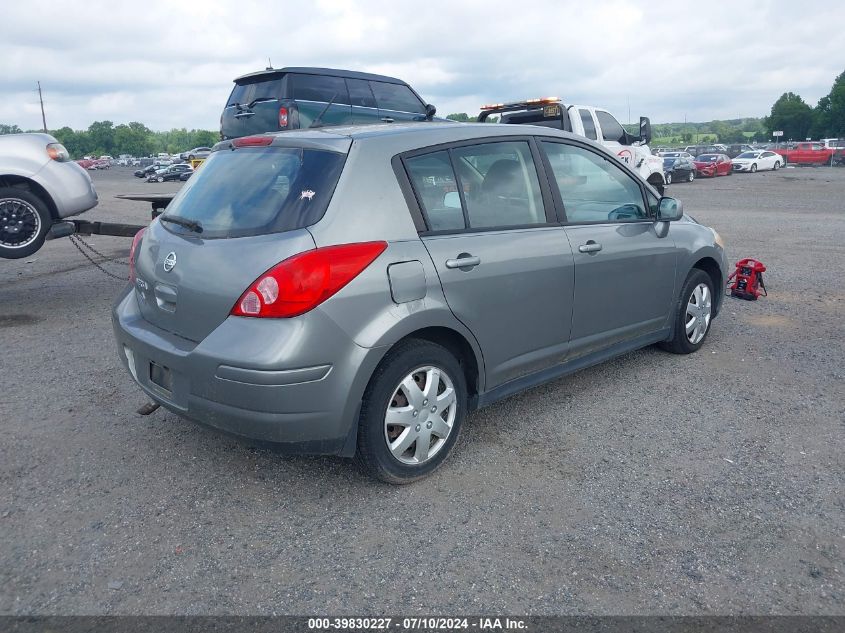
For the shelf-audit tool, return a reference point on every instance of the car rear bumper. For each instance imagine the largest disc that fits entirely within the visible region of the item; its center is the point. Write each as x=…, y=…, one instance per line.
x=305, y=405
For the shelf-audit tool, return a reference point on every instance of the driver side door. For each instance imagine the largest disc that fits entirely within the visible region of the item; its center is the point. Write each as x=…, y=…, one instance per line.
x=624, y=271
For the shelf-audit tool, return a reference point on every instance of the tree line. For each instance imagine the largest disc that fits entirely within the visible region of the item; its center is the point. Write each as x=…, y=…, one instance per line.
x=798, y=121
x=136, y=139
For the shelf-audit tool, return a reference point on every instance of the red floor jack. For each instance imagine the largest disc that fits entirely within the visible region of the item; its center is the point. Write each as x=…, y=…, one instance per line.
x=748, y=280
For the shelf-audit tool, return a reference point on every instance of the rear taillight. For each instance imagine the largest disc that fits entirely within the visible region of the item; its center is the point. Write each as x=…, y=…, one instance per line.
x=136, y=242
x=302, y=282
x=283, y=117
x=58, y=153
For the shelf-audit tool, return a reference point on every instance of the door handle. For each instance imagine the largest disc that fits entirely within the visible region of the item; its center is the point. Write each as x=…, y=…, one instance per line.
x=464, y=263
x=387, y=119
x=590, y=247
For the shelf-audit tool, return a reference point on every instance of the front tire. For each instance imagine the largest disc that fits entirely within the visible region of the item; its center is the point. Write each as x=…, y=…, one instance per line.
x=691, y=176
x=693, y=314
x=24, y=222
x=160, y=179
x=411, y=412
x=753, y=168
x=669, y=178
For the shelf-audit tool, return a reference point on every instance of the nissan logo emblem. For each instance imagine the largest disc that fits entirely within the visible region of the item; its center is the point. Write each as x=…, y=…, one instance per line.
x=169, y=262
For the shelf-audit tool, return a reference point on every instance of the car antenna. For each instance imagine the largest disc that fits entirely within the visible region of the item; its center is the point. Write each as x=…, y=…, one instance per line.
x=269, y=64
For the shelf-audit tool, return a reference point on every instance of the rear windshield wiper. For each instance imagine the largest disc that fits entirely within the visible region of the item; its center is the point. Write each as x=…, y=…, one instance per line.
x=259, y=100
x=191, y=225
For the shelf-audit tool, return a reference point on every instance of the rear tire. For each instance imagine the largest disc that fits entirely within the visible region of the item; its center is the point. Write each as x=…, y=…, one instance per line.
x=24, y=222
x=669, y=178
x=777, y=165
x=403, y=390
x=160, y=179
x=691, y=176
x=693, y=314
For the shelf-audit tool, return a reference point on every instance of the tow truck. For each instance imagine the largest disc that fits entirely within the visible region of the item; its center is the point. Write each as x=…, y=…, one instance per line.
x=590, y=122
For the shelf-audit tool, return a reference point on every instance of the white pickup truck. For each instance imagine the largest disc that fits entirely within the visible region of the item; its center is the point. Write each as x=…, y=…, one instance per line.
x=590, y=122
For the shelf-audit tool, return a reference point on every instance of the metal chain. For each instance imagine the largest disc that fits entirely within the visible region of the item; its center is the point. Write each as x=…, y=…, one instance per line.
x=78, y=242
x=96, y=252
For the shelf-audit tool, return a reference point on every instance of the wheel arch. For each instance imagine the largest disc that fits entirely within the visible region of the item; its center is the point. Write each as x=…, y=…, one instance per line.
x=456, y=343
x=711, y=267
x=27, y=184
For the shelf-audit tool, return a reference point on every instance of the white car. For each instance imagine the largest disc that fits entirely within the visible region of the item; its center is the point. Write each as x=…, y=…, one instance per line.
x=758, y=160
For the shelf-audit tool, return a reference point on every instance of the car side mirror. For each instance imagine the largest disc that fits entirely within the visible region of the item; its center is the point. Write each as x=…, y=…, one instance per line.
x=430, y=111
x=645, y=130
x=669, y=209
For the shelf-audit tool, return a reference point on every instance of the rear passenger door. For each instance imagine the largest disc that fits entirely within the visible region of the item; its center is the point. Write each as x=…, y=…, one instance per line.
x=362, y=102
x=397, y=102
x=624, y=272
x=504, y=263
x=322, y=97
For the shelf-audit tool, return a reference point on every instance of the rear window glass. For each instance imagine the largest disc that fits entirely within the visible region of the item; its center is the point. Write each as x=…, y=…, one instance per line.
x=396, y=97
x=254, y=191
x=258, y=88
x=322, y=88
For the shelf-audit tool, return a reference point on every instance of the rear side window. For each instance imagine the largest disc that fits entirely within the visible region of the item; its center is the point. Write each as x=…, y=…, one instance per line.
x=611, y=130
x=258, y=88
x=589, y=126
x=254, y=191
x=396, y=97
x=498, y=180
x=360, y=93
x=323, y=88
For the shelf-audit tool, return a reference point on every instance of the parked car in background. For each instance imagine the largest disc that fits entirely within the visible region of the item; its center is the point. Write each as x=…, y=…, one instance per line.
x=102, y=164
x=698, y=150
x=172, y=172
x=737, y=149
x=149, y=169
x=712, y=165
x=197, y=152
x=678, y=169
x=677, y=154
x=185, y=175
x=297, y=98
x=812, y=153
x=384, y=319
x=39, y=185
x=85, y=163
x=757, y=161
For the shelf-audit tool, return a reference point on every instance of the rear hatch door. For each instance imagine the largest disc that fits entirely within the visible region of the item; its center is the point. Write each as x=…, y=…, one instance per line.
x=247, y=210
x=253, y=106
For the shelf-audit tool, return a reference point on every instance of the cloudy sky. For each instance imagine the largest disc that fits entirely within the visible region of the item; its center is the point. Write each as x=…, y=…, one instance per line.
x=171, y=64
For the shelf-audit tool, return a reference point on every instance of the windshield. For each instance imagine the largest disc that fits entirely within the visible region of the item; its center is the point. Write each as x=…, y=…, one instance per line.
x=254, y=191
x=749, y=155
x=707, y=158
x=668, y=162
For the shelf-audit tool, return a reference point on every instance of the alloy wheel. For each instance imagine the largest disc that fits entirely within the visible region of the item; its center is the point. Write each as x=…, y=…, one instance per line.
x=699, y=311
x=19, y=223
x=420, y=415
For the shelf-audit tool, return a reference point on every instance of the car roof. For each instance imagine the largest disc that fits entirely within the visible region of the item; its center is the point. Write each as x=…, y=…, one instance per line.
x=306, y=70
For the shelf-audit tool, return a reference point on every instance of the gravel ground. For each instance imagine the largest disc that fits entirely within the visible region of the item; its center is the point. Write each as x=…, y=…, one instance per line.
x=652, y=484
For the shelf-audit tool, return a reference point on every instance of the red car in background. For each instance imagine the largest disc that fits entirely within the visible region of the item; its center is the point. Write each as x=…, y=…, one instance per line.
x=712, y=165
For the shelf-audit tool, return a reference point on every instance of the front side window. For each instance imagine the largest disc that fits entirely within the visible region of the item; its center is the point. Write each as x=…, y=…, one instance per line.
x=593, y=188
x=498, y=180
x=589, y=126
x=396, y=97
x=611, y=130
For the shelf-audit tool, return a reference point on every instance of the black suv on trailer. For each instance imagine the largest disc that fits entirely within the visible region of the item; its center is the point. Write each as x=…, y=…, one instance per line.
x=296, y=98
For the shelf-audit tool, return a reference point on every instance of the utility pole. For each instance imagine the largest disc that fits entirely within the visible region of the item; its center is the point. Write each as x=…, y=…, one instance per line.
x=41, y=99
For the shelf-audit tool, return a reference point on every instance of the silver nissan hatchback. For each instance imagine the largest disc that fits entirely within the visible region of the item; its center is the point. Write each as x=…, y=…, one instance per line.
x=357, y=291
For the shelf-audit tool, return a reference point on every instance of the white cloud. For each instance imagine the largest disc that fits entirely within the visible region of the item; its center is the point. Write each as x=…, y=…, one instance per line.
x=171, y=64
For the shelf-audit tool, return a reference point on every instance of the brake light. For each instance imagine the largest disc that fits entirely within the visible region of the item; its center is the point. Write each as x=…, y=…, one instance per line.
x=283, y=117
x=302, y=282
x=136, y=242
x=58, y=153
x=252, y=141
